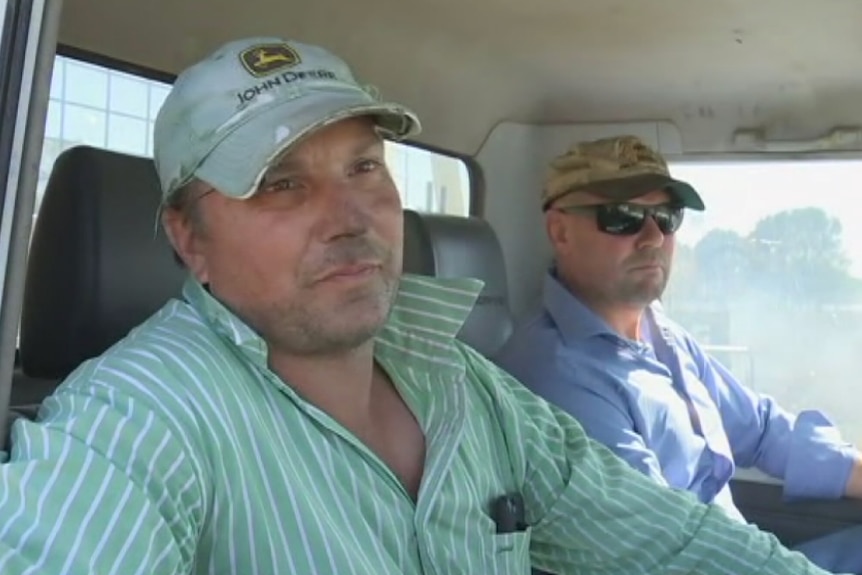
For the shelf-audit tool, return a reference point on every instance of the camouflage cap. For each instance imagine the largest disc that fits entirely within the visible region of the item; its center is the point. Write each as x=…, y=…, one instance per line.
x=619, y=169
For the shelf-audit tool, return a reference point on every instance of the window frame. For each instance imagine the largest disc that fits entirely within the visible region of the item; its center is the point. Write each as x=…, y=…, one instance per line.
x=27, y=50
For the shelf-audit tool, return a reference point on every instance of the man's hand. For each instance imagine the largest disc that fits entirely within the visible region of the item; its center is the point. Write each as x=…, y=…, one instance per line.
x=854, y=482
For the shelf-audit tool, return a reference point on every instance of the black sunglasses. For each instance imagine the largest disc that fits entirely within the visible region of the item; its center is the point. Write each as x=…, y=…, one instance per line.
x=629, y=219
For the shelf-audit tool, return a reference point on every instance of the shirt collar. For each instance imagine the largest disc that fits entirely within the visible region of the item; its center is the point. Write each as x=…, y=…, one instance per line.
x=577, y=322
x=224, y=322
x=426, y=317
x=574, y=320
x=661, y=323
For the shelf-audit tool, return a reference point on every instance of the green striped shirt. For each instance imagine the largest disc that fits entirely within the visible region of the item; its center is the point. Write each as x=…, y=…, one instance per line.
x=179, y=451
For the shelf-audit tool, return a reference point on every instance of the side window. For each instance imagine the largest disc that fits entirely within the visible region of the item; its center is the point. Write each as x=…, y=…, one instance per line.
x=428, y=181
x=106, y=108
x=770, y=278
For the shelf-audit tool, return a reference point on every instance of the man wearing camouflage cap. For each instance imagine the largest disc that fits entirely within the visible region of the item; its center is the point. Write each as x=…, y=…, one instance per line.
x=603, y=349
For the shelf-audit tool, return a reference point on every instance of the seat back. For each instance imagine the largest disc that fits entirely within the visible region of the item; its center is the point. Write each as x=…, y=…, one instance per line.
x=450, y=247
x=96, y=266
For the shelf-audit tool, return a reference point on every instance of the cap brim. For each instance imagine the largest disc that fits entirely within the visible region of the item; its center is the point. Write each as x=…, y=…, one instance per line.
x=237, y=164
x=629, y=188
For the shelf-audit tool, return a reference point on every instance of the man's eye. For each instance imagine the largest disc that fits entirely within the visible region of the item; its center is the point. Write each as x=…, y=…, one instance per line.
x=367, y=166
x=282, y=185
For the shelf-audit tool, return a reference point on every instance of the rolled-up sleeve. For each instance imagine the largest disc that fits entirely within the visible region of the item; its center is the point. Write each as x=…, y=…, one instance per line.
x=817, y=444
x=765, y=436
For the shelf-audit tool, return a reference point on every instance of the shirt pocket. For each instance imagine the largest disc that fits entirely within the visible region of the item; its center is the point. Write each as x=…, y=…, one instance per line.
x=511, y=553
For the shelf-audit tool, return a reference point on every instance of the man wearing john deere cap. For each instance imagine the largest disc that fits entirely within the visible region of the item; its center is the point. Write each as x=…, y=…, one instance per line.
x=305, y=408
x=603, y=349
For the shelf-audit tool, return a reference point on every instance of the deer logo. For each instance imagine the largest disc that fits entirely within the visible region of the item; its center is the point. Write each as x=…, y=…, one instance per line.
x=265, y=59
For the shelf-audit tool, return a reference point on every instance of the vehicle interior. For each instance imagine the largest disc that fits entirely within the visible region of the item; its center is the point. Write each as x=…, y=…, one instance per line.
x=754, y=104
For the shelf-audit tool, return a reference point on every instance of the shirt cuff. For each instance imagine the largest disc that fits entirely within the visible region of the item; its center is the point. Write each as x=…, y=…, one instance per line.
x=820, y=461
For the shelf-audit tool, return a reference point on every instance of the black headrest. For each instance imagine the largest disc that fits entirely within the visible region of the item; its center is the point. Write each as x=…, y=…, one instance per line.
x=96, y=267
x=451, y=247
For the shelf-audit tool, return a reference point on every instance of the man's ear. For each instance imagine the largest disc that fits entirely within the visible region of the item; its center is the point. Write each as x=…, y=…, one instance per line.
x=555, y=226
x=186, y=241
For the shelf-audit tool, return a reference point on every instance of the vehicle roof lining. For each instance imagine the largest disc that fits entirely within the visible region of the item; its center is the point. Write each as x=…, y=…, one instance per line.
x=787, y=66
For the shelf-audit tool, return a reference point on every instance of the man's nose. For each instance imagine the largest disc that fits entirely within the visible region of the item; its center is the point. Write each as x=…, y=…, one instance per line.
x=344, y=212
x=651, y=235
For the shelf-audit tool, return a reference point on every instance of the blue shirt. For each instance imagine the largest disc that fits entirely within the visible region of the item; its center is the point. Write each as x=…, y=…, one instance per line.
x=667, y=407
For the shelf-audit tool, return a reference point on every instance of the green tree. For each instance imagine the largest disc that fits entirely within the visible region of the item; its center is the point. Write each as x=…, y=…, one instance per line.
x=724, y=261
x=798, y=256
